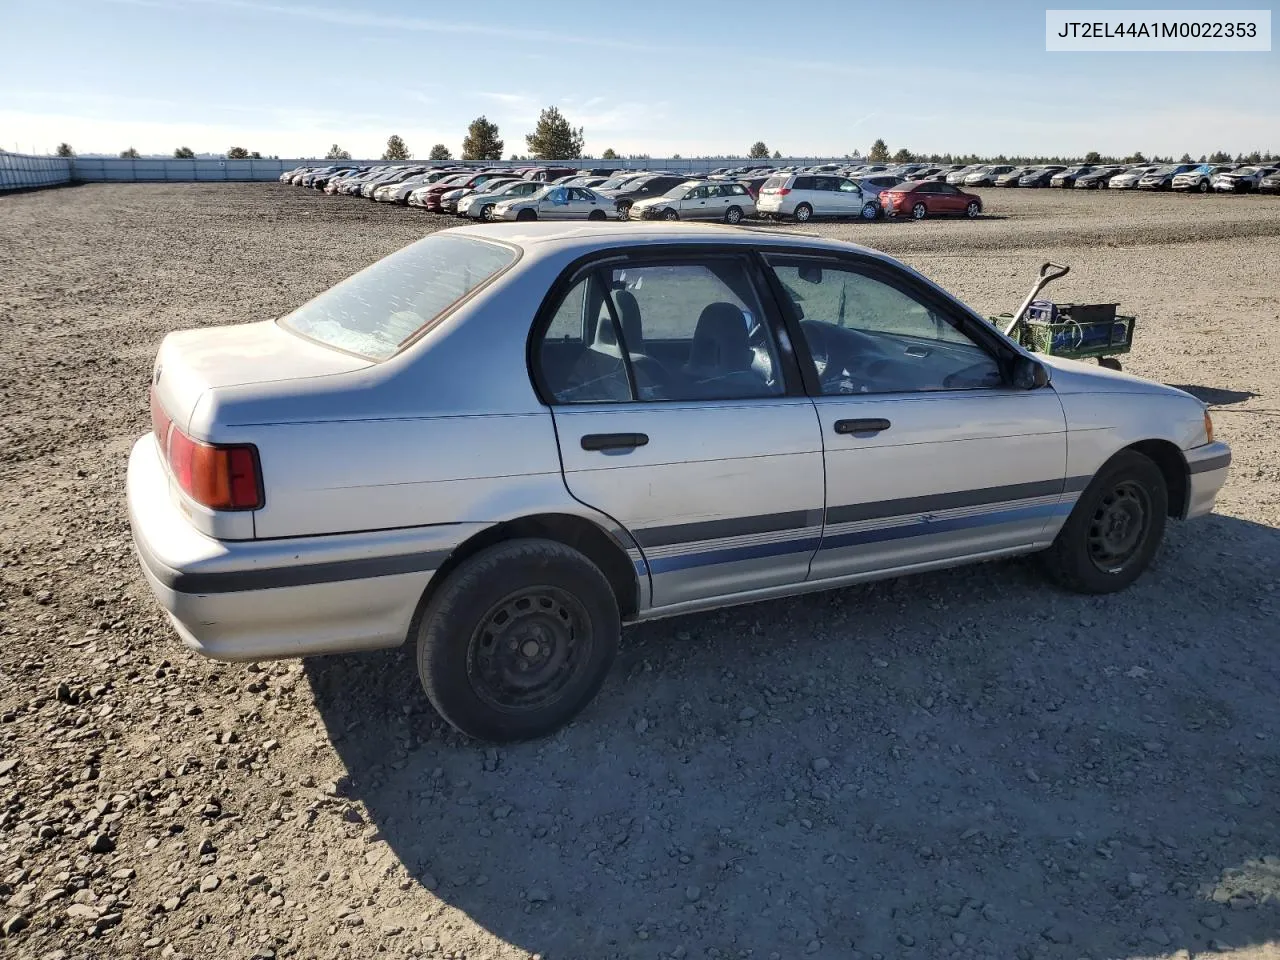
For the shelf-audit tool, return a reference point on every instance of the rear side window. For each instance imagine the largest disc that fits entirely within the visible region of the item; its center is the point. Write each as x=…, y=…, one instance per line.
x=803, y=183
x=377, y=311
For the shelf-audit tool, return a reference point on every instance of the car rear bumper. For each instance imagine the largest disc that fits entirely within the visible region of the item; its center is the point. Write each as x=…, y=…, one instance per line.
x=1207, y=467
x=775, y=206
x=264, y=599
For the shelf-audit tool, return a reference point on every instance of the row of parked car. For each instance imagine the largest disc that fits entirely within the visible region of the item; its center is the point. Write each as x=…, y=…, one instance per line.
x=1198, y=177
x=730, y=195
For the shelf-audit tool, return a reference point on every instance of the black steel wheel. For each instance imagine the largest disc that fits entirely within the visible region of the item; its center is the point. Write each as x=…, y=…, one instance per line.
x=527, y=648
x=1114, y=529
x=517, y=639
x=1119, y=526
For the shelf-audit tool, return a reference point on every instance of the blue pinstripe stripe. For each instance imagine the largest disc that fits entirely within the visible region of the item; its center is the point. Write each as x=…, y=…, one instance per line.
x=945, y=525
x=733, y=554
x=920, y=528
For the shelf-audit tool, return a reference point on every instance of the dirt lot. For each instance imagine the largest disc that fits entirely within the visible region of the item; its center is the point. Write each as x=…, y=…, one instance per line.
x=965, y=765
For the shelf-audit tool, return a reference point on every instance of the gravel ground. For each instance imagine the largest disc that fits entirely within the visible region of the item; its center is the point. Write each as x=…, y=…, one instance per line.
x=965, y=765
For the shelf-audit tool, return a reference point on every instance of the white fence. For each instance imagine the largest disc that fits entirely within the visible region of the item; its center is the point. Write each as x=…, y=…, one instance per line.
x=19, y=171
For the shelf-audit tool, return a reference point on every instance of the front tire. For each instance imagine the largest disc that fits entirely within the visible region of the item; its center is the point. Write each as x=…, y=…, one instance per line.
x=670, y=214
x=517, y=640
x=1115, y=528
x=973, y=209
x=1203, y=186
x=486, y=211
x=527, y=215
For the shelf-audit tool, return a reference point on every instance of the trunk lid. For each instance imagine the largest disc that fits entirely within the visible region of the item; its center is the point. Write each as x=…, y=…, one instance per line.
x=192, y=362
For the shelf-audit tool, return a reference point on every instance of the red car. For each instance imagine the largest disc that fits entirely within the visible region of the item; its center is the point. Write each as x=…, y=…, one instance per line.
x=432, y=199
x=923, y=198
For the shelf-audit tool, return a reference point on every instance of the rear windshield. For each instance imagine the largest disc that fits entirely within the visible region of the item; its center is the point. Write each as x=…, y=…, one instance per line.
x=380, y=308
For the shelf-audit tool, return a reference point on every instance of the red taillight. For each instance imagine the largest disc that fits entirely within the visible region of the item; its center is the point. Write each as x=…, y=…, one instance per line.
x=219, y=477
x=222, y=477
x=783, y=191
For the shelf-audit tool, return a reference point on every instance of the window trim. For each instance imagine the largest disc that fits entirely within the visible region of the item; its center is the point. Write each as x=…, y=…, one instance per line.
x=979, y=331
x=757, y=275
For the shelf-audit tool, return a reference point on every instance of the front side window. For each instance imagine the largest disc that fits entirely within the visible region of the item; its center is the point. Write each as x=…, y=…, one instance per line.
x=868, y=336
x=686, y=330
x=377, y=311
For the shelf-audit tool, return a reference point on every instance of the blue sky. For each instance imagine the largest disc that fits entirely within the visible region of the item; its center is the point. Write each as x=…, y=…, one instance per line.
x=810, y=79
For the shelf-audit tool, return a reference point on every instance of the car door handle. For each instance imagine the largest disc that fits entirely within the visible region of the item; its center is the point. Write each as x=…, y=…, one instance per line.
x=874, y=425
x=614, y=441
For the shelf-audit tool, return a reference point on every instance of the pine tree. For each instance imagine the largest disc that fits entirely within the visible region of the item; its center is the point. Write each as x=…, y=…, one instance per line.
x=337, y=153
x=758, y=151
x=481, y=141
x=554, y=138
x=441, y=152
x=396, y=148
x=879, y=152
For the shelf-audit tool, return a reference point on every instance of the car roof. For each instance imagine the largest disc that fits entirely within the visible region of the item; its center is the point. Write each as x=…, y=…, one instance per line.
x=545, y=238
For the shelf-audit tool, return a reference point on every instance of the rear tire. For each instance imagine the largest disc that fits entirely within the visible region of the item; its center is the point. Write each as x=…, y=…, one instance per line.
x=870, y=210
x=1114, y=530
x=733, y=215
x=596, y=215
x=526, y=215
x=1110, y=363
x=517, y=640
x=919, y=211
x=803, y=213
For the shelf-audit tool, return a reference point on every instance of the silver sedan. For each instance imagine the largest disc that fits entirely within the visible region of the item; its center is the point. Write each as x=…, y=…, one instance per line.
x=504, y=441
x=557, y=203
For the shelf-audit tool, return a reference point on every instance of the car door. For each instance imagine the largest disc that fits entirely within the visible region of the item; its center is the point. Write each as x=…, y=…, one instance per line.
x=709, y=202
x=930, y=456
x=948, y=198
x=556, y=205
x=850, y=198
x=826, y=199
x=581, y=203
x=694, y=204
x=680, y=414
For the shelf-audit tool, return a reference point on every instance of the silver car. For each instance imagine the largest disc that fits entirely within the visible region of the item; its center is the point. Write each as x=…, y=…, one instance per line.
x=697, y=200
x=504, y=441
x=479, y=205
x=805, y=196
x=556, y=203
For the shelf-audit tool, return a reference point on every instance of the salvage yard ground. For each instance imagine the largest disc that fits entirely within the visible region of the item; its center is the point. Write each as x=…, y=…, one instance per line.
x=968, y=764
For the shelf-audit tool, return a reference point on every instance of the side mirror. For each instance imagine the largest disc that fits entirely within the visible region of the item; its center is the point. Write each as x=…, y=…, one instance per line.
x=1029, y=374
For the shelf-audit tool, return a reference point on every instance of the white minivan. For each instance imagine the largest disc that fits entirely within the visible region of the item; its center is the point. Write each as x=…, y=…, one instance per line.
x=804, y=196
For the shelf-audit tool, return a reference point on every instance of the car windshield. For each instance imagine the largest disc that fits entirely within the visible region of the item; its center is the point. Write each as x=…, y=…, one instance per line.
x=379, y=309
x=635, y=184
x=1162, y=171
x=678, y=192
x=1246, y=171
x=611, y=184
